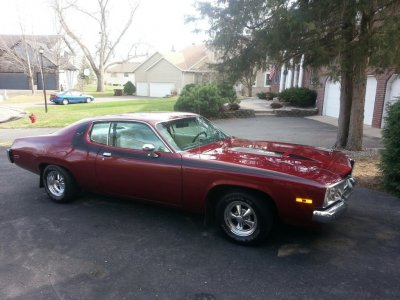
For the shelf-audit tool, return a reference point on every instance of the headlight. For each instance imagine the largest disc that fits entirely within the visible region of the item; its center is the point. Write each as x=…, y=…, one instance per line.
x=334, y=193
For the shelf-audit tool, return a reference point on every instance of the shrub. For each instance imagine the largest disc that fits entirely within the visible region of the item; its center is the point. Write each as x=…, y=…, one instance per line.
x=390, y=155
x=129, y=88
x=300, y=97
x=276, y=105
x=262, y=95
x=200, y=99
x=266, y=95
x=227, y=93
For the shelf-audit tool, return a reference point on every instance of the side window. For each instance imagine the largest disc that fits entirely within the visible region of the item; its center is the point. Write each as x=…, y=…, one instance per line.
x=132, y=135
x=100, y=133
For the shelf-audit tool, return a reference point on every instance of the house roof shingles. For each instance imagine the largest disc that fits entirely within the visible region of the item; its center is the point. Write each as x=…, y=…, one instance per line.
x=127, y=67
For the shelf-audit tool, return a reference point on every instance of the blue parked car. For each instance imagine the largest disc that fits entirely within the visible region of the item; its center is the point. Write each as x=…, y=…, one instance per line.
x=70, y=96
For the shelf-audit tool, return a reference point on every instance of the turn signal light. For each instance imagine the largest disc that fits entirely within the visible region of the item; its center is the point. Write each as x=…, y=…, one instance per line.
x=303, y=200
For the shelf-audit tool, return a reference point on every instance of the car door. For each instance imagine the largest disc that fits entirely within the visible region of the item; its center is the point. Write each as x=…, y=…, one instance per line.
x=75, y=97
x=123, y=168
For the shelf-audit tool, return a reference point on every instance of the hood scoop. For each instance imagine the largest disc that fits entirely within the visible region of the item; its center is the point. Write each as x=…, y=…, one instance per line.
x=257, y=151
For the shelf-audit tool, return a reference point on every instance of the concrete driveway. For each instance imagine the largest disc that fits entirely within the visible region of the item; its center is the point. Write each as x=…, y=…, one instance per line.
x=306, y=131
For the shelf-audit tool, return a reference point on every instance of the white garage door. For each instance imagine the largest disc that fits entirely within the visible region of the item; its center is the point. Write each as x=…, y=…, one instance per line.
x=370, y=95
x=332, y=99
x=392, y=94
x=161, y=89
x=141, y=89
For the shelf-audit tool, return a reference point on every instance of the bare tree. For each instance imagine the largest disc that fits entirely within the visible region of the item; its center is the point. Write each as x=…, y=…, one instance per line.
x=100, y=57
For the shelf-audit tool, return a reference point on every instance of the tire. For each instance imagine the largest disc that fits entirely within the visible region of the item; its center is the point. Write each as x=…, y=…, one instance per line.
x=244, y=218
x=65, y=102
x=59, y=184
x=88, y=100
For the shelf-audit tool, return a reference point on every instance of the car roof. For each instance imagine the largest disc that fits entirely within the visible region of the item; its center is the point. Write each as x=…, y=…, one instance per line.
x=149, y=117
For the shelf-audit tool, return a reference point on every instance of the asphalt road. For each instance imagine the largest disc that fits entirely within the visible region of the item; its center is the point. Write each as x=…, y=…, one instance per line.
x=106, y=248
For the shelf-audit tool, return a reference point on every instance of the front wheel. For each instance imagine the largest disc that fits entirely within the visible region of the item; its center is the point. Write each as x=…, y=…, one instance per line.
x=88, y=100
x=244, y=218
x=59, y=184
x=65, y=101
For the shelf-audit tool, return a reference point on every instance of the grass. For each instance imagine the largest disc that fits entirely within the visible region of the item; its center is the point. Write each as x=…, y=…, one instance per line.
x=108, y=90
x=60, y=115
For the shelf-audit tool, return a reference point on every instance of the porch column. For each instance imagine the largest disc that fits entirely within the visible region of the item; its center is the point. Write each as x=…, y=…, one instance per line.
x=282, y=79
x=300, y=82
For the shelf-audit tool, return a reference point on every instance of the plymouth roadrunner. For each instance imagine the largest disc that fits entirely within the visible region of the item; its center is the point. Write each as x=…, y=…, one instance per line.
x=183, y=160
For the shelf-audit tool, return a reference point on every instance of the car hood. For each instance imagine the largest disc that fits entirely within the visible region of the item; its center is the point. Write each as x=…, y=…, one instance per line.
x=322, y=165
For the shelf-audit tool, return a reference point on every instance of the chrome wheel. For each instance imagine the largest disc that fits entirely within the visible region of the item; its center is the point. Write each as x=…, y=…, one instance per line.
x=240, y=218
x=56, y=183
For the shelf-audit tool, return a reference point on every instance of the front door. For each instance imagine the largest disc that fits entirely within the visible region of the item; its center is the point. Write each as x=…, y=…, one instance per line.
x=124, y=169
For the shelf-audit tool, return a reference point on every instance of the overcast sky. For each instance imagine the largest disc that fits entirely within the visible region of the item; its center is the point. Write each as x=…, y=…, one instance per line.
x=159, y=23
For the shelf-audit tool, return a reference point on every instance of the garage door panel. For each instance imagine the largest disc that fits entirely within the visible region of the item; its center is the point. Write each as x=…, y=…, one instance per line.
x=14, y=81
x=370, y=95
x=161, y=89
x=332, y=99
x=141, y=89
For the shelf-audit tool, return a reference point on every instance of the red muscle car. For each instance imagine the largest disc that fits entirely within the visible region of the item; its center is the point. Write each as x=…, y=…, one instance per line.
x=183, y=160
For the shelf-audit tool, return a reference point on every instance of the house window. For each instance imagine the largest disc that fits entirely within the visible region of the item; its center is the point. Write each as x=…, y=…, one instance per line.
x=267, y=81
x=113, y=75
x=126, y=74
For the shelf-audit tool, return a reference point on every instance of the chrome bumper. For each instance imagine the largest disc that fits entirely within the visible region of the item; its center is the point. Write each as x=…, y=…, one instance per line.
x=337, y=209
x=331, y=213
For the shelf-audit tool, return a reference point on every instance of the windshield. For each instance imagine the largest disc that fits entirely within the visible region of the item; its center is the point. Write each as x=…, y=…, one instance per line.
x=189, y=133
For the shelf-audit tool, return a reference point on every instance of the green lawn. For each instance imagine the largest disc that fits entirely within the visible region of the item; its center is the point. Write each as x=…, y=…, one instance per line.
x=62, y=115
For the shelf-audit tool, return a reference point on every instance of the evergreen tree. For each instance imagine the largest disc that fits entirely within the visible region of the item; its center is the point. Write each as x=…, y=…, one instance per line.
x=346, y=36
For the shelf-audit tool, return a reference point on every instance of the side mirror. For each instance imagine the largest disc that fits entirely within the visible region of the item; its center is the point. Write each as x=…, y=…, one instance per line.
x=150, y=148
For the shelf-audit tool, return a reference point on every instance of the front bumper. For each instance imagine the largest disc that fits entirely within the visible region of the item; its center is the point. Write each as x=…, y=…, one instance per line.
x=337, y=209
x=331, y=213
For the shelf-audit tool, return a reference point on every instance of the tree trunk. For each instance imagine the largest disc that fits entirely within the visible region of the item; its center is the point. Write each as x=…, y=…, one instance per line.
x=346, y=86
x=356, y=128
x=100, y=81
x=250, y=90
x=354, y=141
x=344, y=112
x=31, y=83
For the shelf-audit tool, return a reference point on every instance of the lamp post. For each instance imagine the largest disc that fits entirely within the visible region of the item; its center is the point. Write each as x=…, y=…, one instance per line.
x=41, y=50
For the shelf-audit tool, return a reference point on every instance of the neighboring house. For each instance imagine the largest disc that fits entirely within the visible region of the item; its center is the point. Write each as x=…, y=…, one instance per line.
x=278, y=78
x=381, y=89
x=17, y=52
x=165, y=74
x=121, y=73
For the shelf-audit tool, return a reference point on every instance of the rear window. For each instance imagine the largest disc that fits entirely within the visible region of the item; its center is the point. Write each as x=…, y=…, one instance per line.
x=100, y=133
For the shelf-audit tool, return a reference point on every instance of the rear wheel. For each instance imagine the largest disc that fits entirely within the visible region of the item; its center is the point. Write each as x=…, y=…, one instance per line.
x=65, y=101
x=59, y=184
x=244, y=217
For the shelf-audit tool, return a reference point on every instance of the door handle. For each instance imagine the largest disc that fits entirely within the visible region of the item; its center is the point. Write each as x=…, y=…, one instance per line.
x=107, y=154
